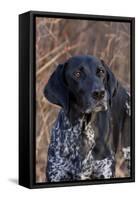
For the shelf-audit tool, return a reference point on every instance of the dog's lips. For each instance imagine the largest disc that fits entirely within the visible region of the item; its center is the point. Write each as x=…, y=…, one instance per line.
x=99, y=106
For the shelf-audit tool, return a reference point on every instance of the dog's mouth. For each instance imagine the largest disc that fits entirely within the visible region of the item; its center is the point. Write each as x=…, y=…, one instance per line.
x=99, y=106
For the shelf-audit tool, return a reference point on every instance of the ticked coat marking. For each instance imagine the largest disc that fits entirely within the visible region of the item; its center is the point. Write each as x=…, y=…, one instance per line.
x=66, y=161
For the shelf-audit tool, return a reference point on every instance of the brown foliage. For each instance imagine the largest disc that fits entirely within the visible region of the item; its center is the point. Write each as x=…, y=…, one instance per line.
x=56, y=41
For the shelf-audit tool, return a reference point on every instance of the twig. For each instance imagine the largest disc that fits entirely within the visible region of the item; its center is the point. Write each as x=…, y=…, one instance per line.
x=55, y=21
x=51, y=52
x=51, y=34
x=55, y=58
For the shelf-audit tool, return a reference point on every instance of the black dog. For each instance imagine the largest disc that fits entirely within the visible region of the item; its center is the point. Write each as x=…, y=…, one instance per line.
x=95, y=111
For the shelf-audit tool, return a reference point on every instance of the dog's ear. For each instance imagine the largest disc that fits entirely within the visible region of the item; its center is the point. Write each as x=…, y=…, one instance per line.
x=56, y=91
x=111, y=82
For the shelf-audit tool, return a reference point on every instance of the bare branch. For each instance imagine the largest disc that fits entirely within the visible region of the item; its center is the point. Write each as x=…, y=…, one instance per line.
x=55, y=58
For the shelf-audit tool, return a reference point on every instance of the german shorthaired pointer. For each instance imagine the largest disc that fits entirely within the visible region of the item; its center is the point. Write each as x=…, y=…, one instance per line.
x=94, y=118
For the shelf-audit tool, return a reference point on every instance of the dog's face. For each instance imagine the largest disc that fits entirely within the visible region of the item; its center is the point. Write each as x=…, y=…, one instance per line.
x=85, y=80
x=84, y=83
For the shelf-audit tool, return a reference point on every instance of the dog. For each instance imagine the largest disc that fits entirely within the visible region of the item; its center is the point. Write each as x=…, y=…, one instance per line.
x=94, y=118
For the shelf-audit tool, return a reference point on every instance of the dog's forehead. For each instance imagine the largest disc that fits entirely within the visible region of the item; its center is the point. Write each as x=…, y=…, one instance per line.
x=77, y=61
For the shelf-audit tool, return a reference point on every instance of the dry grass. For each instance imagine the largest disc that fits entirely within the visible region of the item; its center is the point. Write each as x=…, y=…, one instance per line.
x=57, y=40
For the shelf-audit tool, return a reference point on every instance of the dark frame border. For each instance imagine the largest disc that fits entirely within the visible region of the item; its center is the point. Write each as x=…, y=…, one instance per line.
x=27, y=96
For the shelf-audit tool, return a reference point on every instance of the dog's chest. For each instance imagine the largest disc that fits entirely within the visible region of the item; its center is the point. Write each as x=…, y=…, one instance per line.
x=71, y=150
x=89, y=133
x=75, y=141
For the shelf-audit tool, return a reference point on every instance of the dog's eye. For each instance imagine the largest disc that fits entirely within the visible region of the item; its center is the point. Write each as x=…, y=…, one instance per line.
x=77, y=74
x=100, y=72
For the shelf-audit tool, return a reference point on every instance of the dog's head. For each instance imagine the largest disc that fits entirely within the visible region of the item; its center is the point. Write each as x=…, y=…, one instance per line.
x=84, y=83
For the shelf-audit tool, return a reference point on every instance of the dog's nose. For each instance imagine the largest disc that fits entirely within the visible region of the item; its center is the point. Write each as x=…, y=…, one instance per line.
x=98, y=94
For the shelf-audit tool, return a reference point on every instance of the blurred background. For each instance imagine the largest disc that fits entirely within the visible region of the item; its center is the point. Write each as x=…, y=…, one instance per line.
x=57, y=40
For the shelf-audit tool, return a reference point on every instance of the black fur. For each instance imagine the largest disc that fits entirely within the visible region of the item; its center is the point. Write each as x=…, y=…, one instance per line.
x=94, y=113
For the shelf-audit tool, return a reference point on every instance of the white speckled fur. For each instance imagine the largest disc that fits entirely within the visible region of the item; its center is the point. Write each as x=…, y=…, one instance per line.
x=65, y=162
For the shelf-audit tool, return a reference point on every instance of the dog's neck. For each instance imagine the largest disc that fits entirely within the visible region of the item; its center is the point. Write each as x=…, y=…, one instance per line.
x=83, y=132
x=75, y=115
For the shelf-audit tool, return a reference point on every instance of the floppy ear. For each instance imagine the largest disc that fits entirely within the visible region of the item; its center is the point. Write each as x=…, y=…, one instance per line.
x=111, y=82
x=56, y=91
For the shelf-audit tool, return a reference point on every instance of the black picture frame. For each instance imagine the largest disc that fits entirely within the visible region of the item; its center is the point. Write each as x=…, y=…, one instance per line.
x=27, y=95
